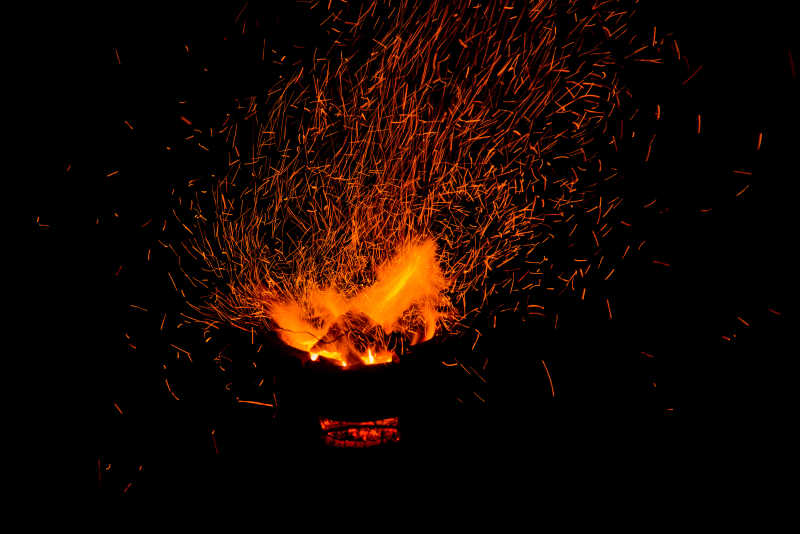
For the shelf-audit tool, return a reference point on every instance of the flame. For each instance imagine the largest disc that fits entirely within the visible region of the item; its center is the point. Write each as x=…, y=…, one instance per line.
x=427, y=162
x=350, y=330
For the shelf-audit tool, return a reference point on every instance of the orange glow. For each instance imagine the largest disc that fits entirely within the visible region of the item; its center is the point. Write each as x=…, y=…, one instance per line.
x=354, y=329
x=359, y=434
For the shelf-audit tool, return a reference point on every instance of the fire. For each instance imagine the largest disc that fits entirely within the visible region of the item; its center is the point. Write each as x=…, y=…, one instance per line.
x=404, y=299
x=426, y=162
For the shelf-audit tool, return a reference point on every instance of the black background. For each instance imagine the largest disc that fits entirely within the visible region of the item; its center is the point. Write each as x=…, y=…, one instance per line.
x=730, y=262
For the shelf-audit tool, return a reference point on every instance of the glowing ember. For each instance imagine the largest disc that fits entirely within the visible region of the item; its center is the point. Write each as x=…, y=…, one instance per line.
x=359, y=434
x=354, y=329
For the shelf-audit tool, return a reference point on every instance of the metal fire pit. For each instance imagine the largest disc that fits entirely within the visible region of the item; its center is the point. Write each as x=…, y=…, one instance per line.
x=357, y=408
x=354, y=407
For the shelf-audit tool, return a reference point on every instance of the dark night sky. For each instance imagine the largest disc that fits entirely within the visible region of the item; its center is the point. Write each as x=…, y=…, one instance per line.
x=728, y=263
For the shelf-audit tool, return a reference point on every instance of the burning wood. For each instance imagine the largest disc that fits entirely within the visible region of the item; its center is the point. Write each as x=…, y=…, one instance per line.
x=405, y=298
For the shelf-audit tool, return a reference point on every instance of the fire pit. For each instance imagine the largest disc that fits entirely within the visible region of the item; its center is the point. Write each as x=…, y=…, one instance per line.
x=356, y=408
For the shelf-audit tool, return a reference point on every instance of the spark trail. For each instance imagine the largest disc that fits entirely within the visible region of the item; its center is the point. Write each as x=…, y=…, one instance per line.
x=385, y=191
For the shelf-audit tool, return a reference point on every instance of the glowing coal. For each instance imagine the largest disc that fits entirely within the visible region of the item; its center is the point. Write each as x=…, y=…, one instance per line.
x=405, y=298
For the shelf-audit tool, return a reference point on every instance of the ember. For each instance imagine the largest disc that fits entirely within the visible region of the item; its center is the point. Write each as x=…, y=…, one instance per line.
x=359, y=434
x=378, y=199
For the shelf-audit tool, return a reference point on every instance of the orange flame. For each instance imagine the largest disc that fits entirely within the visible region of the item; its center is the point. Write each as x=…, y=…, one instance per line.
x=351, y=330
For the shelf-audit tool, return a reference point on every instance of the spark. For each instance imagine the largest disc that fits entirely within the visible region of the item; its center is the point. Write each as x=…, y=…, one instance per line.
x=170, y=390
x=396, y=192
x=696, y=71
x=549, y=379
x=257, y=403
